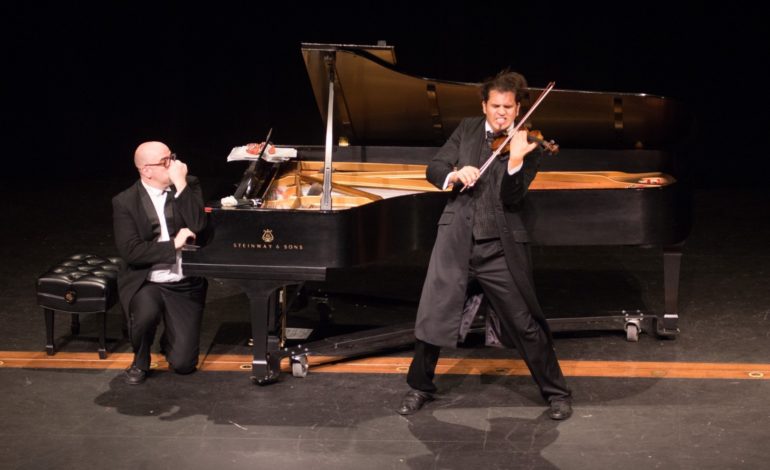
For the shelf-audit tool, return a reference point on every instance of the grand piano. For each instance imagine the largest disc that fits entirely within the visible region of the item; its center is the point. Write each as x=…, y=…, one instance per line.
x=362, y=200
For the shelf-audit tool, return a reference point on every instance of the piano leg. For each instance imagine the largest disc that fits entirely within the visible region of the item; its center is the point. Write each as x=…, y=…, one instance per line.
x=672, y=258
x=263, y=309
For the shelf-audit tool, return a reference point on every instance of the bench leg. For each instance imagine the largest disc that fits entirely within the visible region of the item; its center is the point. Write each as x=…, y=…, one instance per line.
x=102, y=337
x=49, y=348
x=75, y=324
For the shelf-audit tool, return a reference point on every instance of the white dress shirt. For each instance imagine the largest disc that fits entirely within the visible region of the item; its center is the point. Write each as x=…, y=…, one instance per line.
x=163, y=272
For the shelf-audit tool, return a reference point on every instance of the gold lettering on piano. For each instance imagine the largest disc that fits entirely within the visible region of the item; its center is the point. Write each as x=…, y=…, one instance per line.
x=269, y=246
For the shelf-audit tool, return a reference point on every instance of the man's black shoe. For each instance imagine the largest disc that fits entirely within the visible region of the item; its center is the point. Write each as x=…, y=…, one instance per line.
x=134, y=376
x=560, y=410
x=413, y=401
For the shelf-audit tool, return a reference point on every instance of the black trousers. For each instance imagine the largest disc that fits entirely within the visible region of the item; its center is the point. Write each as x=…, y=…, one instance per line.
x=180, y=305
x=519, y=329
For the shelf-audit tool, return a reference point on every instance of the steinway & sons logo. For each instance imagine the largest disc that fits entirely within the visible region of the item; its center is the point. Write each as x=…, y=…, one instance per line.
x=268, y=240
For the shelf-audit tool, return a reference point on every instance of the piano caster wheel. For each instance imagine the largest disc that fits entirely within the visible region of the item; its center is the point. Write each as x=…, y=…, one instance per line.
x=299, y=366
x=632, y=332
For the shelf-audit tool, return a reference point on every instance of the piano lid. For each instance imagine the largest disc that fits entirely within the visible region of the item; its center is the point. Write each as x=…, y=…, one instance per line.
x=375, y=104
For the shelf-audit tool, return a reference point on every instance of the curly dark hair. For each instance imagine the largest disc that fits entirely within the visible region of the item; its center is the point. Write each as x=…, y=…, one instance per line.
x=504, y=81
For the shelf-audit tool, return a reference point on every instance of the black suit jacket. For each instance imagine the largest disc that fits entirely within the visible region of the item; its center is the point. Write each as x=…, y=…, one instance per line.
x=444, y=292
x=137, y=228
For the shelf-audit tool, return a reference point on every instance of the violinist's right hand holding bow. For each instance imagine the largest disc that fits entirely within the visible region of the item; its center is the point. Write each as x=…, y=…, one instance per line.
x=466, y=175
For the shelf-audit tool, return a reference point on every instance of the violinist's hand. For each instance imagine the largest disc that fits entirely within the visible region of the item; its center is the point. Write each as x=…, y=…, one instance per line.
x=177, y=173
x=466, y=175
x=520, y=147
x=184, y=235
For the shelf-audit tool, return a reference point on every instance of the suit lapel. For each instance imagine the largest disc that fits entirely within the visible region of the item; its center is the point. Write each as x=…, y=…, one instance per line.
x=149, y=210
x=476, y=149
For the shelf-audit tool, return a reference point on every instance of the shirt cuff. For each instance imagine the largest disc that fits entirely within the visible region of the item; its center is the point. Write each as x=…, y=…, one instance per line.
x=446, y=181
x=515, y=170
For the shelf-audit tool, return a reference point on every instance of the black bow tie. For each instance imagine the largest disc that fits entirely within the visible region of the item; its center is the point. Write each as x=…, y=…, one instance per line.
x=491, y=136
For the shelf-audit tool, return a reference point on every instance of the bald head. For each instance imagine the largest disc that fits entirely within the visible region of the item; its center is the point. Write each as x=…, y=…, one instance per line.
x=150, y=152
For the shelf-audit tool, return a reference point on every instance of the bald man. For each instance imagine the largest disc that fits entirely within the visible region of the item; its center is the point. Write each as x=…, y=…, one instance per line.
x=152, y=220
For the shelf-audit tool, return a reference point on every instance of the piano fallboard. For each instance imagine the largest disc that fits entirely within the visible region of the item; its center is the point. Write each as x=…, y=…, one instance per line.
x=300, y=245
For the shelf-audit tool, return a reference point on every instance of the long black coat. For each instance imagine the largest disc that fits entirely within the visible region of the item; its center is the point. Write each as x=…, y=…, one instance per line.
x=136, y=228
x=444, y=292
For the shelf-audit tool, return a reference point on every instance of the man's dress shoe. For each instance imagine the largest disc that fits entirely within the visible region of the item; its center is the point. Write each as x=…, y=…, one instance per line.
x=134, y=376
x=560, y=410
x=413, y=401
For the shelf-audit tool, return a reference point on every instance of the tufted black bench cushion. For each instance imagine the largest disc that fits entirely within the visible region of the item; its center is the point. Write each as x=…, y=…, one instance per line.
x=81, y=283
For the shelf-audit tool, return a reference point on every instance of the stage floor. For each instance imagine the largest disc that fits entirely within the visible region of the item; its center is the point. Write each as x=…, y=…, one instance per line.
x=697, y=401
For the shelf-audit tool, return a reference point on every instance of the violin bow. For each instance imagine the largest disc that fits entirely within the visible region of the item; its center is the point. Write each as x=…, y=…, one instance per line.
x=511, y=131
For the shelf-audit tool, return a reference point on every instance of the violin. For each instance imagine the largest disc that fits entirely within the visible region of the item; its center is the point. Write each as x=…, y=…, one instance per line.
x=505, y=139
x=532, y=136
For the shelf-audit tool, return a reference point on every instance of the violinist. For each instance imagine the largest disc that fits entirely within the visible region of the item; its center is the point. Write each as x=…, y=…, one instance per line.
x=481, y=247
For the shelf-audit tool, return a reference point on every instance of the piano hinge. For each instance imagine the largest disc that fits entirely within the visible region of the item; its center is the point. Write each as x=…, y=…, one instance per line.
x=617, y=117
x=435, y=114
x=617, y=113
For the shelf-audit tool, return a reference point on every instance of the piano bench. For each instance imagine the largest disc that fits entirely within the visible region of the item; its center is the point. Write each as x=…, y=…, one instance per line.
x=80, y=283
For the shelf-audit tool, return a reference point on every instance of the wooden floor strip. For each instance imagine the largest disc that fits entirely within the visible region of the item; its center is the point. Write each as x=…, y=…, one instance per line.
x=399, y=365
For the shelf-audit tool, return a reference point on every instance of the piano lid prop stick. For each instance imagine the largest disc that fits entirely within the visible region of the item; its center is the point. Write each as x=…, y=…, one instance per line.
x=511, y=131
x=326, y=195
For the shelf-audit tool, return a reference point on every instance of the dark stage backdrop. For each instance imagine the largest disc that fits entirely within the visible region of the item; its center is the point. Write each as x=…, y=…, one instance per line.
x=83, y=84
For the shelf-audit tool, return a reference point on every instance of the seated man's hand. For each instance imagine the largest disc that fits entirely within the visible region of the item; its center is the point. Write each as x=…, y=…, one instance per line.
x=177, y=173
x=183, y=236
